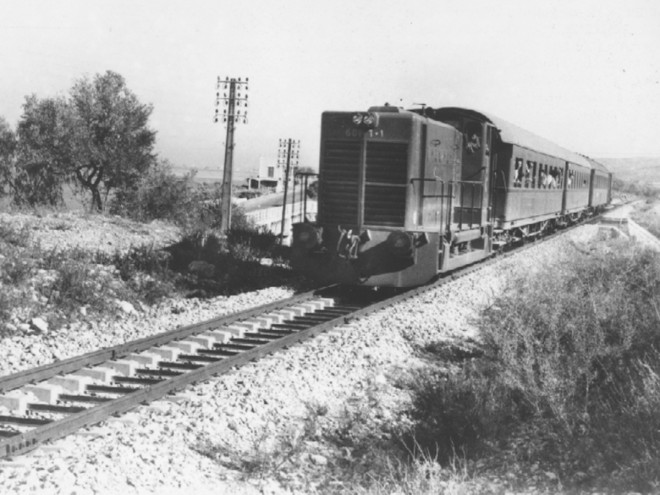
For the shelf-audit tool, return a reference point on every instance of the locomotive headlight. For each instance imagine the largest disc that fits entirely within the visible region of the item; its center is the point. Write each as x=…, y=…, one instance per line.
x=370, y=120
x=399, y=244
x=306, y=236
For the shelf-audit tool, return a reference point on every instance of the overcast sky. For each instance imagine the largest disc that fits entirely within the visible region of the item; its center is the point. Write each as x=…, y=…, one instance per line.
x=584, y=74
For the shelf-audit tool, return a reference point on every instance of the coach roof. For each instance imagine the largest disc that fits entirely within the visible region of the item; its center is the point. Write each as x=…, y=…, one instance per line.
x=512, y=134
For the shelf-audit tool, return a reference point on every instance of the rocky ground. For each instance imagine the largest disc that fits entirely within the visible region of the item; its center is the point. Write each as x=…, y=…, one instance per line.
x=69, y=230
x=264, y=427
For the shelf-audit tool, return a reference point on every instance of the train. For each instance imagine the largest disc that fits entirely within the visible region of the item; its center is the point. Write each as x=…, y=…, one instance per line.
x=405, y=196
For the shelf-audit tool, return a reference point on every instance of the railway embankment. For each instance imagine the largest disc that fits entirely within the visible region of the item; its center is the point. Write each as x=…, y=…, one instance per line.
x=329, y=415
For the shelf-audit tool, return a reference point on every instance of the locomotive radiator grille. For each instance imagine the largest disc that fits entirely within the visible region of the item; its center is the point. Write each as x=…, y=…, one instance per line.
x=340, y=173
x=385, y=184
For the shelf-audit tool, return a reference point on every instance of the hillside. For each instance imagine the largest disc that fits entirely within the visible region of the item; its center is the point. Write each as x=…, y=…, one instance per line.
x=645, y=170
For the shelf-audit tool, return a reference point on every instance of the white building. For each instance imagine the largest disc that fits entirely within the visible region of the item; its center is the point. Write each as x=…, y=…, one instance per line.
x=271, y=175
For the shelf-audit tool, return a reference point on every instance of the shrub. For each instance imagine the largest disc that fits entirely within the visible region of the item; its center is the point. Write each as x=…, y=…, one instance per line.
x=158, y=194
x=19, y=237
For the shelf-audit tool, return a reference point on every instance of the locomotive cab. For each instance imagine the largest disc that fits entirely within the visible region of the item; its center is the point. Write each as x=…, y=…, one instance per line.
x=399, y=199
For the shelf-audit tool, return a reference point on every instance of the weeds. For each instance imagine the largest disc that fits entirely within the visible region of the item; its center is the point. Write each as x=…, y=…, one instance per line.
x=12, y=236
x=569, y=377
x=648, y=216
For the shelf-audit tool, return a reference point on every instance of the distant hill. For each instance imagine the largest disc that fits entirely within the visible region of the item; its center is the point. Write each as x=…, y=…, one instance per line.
x=645, y=170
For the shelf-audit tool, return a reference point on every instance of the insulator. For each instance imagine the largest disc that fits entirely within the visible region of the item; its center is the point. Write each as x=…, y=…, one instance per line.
x=215, y=120
x=247, y=79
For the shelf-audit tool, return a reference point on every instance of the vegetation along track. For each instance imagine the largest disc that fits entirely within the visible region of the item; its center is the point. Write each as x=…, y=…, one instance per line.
x=87, y=389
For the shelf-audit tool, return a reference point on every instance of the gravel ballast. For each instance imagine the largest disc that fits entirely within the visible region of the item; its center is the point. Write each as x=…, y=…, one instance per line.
x=209, y=437
x=164, y=447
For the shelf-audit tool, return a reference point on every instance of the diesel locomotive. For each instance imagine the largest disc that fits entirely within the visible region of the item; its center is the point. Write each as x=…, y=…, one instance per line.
x=406, y=195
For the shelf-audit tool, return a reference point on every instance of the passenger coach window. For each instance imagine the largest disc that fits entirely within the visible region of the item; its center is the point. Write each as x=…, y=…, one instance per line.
x=518, y=173
x=530, y=170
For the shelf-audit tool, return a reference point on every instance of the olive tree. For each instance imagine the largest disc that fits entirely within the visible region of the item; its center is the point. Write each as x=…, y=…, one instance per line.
x=96, y=138
x=112, y=145
x=7, y=156
x=42, y=153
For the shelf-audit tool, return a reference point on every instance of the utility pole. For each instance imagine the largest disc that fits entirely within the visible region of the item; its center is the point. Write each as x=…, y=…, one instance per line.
x=287, y=157
x=233, y=93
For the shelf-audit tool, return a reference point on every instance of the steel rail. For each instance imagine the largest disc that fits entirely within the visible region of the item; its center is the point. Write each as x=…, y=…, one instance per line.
x=15, y=380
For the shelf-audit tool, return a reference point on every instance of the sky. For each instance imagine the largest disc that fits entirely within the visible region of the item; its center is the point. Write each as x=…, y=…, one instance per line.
x=583, y=73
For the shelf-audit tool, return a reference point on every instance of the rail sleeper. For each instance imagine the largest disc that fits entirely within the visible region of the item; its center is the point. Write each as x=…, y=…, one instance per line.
x=277, y=317
x=286, y=314
x=298, y=310
x=44, y=392
x=252, y=324
x=167, y=352
x=99, y=373
x=219, y=336
x=71, y=383
x=327, y=301
x=235, y=330
x=14, y=401
x=186, y=346
x=266, y=321
x=146, y=358
x=124, y=367
x=306, y=307
x=203, y=340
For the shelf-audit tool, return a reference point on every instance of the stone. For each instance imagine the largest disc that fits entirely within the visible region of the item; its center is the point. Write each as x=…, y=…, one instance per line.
x=39, y=324
x=126, y=307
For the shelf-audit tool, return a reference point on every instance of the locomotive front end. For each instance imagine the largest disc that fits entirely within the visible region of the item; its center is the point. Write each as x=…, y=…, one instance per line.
x=376, y=174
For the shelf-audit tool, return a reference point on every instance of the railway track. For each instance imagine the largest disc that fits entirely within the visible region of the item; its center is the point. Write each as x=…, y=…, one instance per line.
x=52, y=401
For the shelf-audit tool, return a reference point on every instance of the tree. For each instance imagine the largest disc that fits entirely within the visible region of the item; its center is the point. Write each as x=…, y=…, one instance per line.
x=112, y=144
x=42, y=154
x=7, y=156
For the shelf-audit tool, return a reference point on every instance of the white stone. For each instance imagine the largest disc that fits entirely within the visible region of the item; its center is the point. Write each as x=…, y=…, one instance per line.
x=126, y=307
x=39, y=324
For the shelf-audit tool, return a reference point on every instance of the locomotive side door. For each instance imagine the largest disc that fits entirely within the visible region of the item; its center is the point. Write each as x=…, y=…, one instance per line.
x=489, y=161
x=439, y=162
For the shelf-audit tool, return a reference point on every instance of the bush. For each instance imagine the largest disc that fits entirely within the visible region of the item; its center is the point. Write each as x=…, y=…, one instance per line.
x=159, y=194
x=571, y=364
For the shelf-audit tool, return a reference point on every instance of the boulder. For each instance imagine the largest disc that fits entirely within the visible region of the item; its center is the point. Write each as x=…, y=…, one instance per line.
x=39, y=324
x=126, y=307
